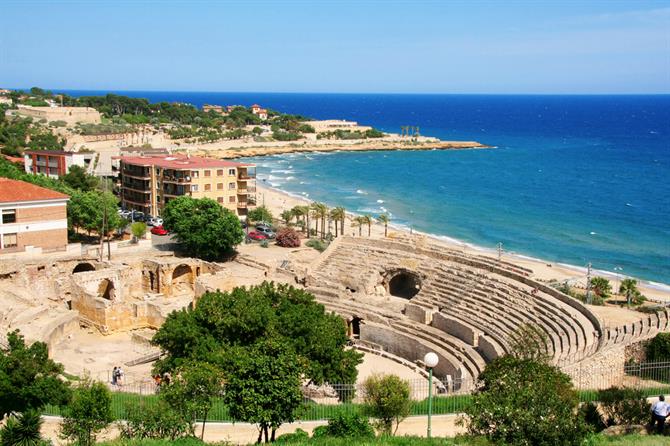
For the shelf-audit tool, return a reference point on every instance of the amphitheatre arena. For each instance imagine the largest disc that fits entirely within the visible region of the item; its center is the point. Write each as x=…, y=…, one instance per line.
x=401, y=297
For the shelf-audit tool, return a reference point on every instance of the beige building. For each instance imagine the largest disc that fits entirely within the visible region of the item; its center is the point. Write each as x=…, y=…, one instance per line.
x=71, y=115
x=149, y=182
x=32, y=216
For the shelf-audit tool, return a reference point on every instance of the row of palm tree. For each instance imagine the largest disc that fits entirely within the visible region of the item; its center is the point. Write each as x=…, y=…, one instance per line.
x=319, y=213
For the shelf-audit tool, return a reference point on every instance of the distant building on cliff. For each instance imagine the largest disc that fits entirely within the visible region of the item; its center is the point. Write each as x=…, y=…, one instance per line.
x=32, y=216
x=148, y=183
x=70, y=115
x=56, y=163
x=259, y=111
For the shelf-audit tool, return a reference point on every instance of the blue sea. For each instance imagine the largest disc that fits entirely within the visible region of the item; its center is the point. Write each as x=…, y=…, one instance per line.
x=572, y=179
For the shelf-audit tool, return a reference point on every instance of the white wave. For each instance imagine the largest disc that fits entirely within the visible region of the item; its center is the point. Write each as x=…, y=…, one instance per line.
x=303, y=182
x=282, y=171
x=380, y=201
x=593, y=233
x=360, y=191
x=290, y=178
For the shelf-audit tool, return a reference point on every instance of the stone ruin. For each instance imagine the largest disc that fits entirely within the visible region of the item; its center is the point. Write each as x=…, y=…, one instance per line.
x=406, y=297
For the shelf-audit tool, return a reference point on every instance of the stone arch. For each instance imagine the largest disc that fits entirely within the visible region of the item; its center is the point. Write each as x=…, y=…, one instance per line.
x=403, y=283
x=106, y=289
x=182, y=278
x=355, y=327
x=83, y=267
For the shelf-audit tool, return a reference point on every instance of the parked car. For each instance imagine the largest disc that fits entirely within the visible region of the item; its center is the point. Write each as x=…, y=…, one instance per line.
x=137, y=216
x=264, y=225
x=155, y=221
x=124, y=214
x=267, y=232
x=159, y=230
x=253, y=235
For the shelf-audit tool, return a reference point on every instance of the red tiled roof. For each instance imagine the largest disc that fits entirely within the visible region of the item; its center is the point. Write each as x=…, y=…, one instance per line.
x=180, y=162
x=13, y=159
x=13, y=190
x=48, y=152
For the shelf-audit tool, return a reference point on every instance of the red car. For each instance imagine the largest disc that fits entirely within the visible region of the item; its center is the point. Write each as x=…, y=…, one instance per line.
x=159, y=230
x=253, y=235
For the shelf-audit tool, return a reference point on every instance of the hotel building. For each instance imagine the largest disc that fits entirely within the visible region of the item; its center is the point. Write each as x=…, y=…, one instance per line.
x=31, y=216
x=149, y=182
x=56, y=163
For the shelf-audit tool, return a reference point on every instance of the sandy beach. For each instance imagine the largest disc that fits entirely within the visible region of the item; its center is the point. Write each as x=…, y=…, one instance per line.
x=278, y=201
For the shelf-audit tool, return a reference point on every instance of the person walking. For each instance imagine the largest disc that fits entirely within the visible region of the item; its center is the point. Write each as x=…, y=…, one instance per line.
x=114, y=376
x=659, y=412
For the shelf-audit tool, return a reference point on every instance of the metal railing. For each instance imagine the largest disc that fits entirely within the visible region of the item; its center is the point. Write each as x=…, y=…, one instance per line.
x=451, y=397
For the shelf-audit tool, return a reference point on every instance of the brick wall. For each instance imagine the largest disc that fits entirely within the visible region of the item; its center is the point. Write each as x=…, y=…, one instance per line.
x=50, y=239
x=41, y=214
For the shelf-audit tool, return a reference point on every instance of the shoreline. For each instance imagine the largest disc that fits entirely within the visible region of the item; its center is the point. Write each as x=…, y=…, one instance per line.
x=278, y=200
x=256, y=149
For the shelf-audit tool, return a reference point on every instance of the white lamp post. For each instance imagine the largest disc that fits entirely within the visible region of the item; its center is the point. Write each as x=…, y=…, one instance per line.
x=431, y=361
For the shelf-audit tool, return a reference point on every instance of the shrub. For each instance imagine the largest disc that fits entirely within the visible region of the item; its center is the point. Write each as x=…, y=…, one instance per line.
x=623, y=406
x=387, y=398
x=89, y=412
x=295, y=437
x=347, y=425
x=138, y=229
x=592, y=416
x=22, y=430
x=153, y=421
x=317, y=244
x=658, y=349
x=525, y=402
x=288, y=238
x=264, y=244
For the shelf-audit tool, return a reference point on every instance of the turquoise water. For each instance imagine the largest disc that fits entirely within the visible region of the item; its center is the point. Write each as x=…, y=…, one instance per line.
x=574, y=179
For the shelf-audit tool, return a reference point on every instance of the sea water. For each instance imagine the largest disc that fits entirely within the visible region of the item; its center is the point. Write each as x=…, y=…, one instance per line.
x=572, y=179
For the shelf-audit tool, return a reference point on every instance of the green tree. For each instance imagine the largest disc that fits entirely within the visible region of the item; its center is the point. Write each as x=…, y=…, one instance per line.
x=338, y=214
x=193, y=390
x=260, y=213
x=89, y=412
x=529, y=341
x=263, y=386
x=386, y=398
x=204, y=228
x=601, y=287
x=156, y=421
x=22, y=430
x=28, y=378
x=138, y=229
x=77, y=178
x=287, y=216
x=629, y=289
x=658, y=349
x=385, y=220
x=246, y=316
x=525, y=402
x=320, y=212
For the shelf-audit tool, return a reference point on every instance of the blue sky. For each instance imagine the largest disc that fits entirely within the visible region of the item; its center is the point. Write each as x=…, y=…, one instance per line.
x=338, y=46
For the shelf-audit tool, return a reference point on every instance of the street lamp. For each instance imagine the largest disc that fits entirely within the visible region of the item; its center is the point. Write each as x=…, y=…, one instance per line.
x=431, y=361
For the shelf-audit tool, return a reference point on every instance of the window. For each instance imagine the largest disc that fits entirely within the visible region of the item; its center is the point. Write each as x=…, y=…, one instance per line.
x=231, y=186
x=194, y=188
x=231, y=172
x=194, y=173
x=9, y=241
x=231, y=199
x=208, y=187
x=207, y=173
x=219, y=173
x=219, y=186
x=220, y=199
x=9, y=216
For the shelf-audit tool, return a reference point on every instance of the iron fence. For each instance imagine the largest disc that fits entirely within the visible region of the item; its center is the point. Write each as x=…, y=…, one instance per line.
x=450, y=396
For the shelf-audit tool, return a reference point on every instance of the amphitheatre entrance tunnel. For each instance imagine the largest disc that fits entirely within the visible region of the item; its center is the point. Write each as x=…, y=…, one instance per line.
x=404, y=284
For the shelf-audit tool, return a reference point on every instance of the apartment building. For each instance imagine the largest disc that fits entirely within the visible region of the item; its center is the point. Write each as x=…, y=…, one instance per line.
x=149, y=182
x=56, y=163
x=31, y=216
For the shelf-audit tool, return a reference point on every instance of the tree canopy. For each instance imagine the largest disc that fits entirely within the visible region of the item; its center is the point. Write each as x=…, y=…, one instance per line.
x=28, y=378
x=77, y=178
x=204, y=228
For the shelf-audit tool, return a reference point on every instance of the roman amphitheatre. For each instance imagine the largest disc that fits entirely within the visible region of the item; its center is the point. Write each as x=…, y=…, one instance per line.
x=401, y=297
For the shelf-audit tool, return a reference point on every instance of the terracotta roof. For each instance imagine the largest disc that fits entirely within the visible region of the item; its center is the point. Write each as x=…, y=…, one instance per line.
x=180, y=162
x=49, y=152
x=13, y=190
x=13, y=159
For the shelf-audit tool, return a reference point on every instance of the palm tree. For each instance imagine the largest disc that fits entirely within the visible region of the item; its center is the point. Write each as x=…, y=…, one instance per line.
x=338, y=214
x=367, y=220
x=601, y=287
x=628, y=288
x=320, y=212
x=359, y=221
x=287, y=216
x=384, y=219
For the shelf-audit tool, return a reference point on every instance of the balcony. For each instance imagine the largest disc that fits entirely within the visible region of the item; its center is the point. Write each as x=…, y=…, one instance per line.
x=242, y=204
x=180, y=180
x=243, y=176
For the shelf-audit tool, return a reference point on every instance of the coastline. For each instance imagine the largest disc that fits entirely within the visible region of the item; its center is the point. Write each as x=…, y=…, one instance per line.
x=235, y=149
x=278, y=200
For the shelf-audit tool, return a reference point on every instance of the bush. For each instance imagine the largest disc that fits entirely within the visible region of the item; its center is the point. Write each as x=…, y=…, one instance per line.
x=346, y=425
x=317, y=244
x=265, y=244
x=288, y=238
x=592, y=416
x=22, y=430
x=138, y=229
x=623, y=406
x=89, y=412
x=153, y=421
x=658, y=349
x=525, y=402
x=298, y=436
x=387, y=398
x=261, y=213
